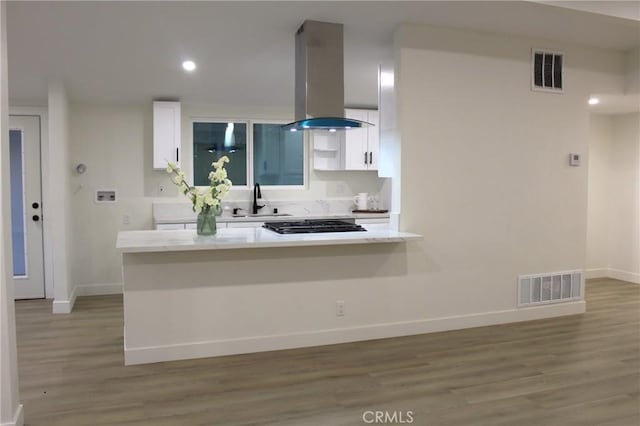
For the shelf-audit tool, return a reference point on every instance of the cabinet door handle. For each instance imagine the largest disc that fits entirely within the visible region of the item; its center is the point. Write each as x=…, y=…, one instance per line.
x=365, y=158
x=177, y=154
x=370, y=157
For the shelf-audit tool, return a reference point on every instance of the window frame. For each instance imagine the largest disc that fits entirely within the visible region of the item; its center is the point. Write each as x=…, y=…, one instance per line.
x=249, y=158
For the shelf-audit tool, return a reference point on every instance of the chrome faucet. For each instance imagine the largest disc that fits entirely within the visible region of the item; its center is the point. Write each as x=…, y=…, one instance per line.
x=257, y=194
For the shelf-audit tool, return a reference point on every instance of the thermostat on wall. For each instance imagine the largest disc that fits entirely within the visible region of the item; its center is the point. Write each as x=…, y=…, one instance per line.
x=574, y=160
x=106, y=196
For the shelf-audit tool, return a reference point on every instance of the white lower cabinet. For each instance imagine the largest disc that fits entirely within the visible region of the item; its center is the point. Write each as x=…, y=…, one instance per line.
x=224, y=225
x=193, y=226
x=367, y=221
x=169, y=226
x=244, y=224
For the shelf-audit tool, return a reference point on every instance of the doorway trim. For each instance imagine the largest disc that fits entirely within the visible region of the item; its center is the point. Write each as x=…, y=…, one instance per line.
x=42, y=114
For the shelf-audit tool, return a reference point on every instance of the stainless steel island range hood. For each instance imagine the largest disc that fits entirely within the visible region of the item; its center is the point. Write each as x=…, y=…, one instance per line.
x=319, y=89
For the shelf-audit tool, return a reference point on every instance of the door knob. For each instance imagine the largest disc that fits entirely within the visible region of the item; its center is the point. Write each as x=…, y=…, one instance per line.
x=35, y=218
x=35, y=205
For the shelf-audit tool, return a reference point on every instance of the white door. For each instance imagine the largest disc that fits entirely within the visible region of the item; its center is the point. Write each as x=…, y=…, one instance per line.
x=26, y=206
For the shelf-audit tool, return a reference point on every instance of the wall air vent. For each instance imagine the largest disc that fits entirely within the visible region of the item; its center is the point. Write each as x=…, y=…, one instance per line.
x=547, y=72
x=541, y=289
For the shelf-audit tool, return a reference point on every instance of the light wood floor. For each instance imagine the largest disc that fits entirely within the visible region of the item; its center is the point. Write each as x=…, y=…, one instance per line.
x=579, y=370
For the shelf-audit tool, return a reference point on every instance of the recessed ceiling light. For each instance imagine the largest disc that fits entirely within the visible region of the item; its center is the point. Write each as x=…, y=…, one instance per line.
x=594, y=101
x=189, y=66
x=332, y=130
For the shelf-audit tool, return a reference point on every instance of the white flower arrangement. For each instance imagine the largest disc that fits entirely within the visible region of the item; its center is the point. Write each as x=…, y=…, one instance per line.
x=204, y=200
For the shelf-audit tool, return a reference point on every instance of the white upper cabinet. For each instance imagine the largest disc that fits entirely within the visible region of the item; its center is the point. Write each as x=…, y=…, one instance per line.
x=355, y=149
x=361, y=146
x=166, y=133
x=373, y=139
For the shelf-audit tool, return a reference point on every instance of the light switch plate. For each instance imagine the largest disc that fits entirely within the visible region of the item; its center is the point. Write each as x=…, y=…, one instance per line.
x=574, y=160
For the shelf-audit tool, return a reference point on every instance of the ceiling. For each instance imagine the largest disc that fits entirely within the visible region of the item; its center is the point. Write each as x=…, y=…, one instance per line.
x=615, y=104
x=629, y=9
x=130, y=52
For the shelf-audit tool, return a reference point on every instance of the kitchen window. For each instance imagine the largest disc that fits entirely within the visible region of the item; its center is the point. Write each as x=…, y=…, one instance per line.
x=278, y=155
x=259, y=152
x=212, y=140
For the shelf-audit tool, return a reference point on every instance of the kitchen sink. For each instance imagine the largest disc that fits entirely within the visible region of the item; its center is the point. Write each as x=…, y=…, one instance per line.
x=262, y=215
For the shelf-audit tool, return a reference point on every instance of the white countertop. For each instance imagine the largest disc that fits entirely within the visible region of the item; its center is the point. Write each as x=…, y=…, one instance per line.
x=238, y=238
x=192, y=218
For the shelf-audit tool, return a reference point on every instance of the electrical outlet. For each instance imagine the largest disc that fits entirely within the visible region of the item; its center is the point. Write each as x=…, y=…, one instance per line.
x=339, y=308
x=126, y=219
x=161, y=188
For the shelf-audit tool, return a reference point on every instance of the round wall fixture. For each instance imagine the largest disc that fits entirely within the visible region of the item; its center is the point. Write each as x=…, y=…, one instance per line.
x=81, y=168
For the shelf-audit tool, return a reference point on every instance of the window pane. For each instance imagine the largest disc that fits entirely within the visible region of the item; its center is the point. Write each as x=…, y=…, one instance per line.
x=17, y=204
x=213, y=140
x=278, y=155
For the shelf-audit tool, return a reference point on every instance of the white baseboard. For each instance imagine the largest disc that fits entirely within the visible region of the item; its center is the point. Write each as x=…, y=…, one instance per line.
x=65, y=306
x=18, y=418
x=596, y=273
x=617, y=274
x=99, y=289
x=632, y=277
x=352, y=334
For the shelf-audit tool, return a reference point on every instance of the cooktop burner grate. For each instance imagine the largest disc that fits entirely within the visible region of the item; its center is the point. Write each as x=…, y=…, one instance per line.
x=310, y=226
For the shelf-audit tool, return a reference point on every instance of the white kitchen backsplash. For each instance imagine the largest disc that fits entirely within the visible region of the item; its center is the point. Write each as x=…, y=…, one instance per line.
x=182, y=210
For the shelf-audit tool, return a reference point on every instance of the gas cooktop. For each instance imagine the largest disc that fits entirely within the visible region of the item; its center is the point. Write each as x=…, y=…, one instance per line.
x=312, y=226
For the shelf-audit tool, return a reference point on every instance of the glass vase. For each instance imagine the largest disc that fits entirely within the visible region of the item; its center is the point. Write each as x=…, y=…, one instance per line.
x=207, y=222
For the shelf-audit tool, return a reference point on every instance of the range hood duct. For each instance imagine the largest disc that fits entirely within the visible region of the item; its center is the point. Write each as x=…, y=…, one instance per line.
x=319, y=89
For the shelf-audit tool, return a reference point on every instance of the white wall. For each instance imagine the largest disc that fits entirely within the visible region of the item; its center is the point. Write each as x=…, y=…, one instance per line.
x=115, y=142
x=109, y=140
x=10, y=407
x=624, y=245
x=613, y=245
x=600, y=134
x=632, y=71
x=57, y=200
x=485, y=163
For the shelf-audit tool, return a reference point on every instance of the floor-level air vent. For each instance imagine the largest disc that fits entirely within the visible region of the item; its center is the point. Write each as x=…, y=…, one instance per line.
x=550, y=288
x=546, y=73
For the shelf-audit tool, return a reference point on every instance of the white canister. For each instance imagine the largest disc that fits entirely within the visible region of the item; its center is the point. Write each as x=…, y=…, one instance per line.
x=361, y=200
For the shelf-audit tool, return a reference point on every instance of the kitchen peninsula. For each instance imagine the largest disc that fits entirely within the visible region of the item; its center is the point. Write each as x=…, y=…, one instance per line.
x=249, y=289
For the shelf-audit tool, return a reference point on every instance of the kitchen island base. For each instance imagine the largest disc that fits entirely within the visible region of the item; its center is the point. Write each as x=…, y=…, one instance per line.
x=181, y=305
